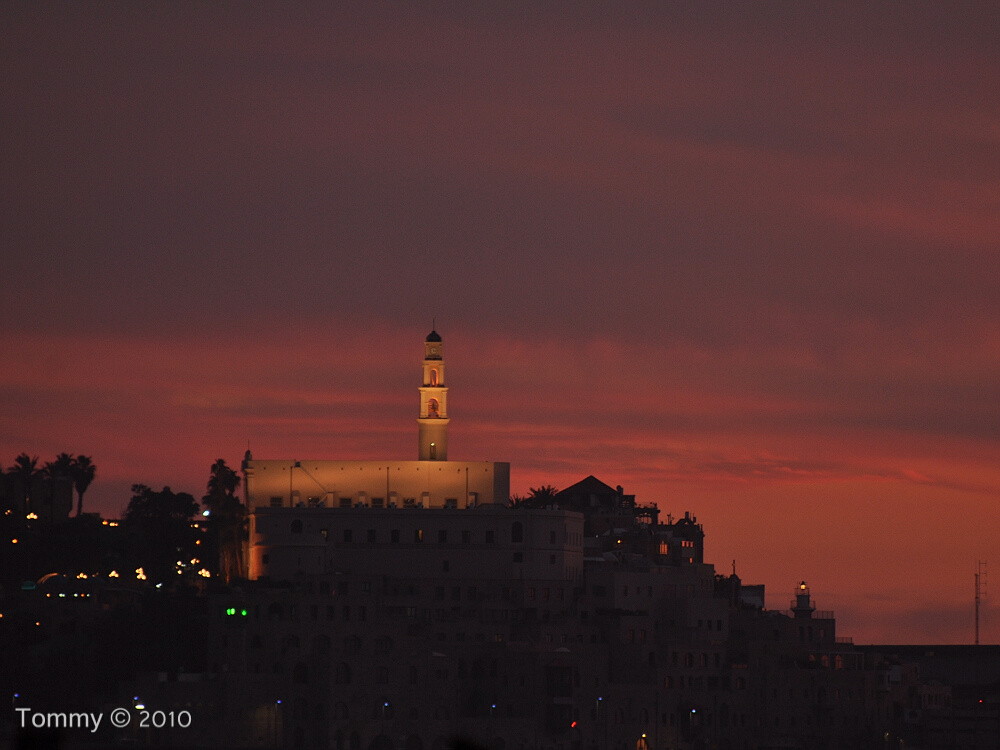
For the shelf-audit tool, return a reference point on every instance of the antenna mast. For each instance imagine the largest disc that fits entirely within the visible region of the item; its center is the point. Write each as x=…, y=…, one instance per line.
x=980, y=591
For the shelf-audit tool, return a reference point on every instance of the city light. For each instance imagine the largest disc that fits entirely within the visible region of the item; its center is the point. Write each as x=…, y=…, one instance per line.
x=140, y=574
x=113, y=574
x=204, y=573
x=32, y=516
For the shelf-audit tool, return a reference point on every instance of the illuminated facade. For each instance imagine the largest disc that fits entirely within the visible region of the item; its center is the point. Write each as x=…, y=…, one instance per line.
x=308, y=493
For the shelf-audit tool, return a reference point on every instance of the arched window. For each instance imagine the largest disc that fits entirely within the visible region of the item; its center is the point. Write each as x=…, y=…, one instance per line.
x=517, y=532
x=432, y=407
x=434, y=376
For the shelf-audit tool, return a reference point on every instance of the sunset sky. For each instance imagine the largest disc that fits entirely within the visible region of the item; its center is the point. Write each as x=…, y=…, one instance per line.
x=745, y=263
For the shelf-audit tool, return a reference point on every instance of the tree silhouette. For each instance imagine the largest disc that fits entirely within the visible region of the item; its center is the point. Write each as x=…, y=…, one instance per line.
x=227, y=518
x=61, y=467
x=82, y=472
x=544, y=493
x=24, y=471
x=159, y=524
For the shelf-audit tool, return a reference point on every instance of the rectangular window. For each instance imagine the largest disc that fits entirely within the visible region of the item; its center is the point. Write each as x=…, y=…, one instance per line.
x=345, y=502
x=418, y=535
x=466, y=536
x=277, y=502
x=378, y=502
x=518, y=557
x=394, y=536
x=442, y=536
x=348, y=536
x=371, y=536
x=451, y=502
x=489, y=536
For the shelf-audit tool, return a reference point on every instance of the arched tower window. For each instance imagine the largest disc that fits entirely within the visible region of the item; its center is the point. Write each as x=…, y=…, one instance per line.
x=432, y=407
x=434, y=376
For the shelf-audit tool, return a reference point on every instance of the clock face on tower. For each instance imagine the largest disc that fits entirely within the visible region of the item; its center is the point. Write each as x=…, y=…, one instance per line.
x=434, y=350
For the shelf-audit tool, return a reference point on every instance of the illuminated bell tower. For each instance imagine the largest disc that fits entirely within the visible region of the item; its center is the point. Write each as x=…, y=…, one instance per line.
x=433, y=419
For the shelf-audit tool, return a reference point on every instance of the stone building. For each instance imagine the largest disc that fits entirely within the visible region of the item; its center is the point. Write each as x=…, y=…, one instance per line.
x=403, y=604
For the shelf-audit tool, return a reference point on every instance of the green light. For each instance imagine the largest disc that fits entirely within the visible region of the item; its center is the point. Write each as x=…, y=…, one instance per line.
x=243, y=612
x=231, y=611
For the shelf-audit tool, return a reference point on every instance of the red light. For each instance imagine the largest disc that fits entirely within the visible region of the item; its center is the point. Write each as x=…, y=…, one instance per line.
x=573, y=725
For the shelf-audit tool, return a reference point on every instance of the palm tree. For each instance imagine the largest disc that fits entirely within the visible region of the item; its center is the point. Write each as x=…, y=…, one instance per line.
x=83, y=472
x=24, y=471
x=61, y=467
x=226, y=518
x=544, y=493
x=222, y=483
